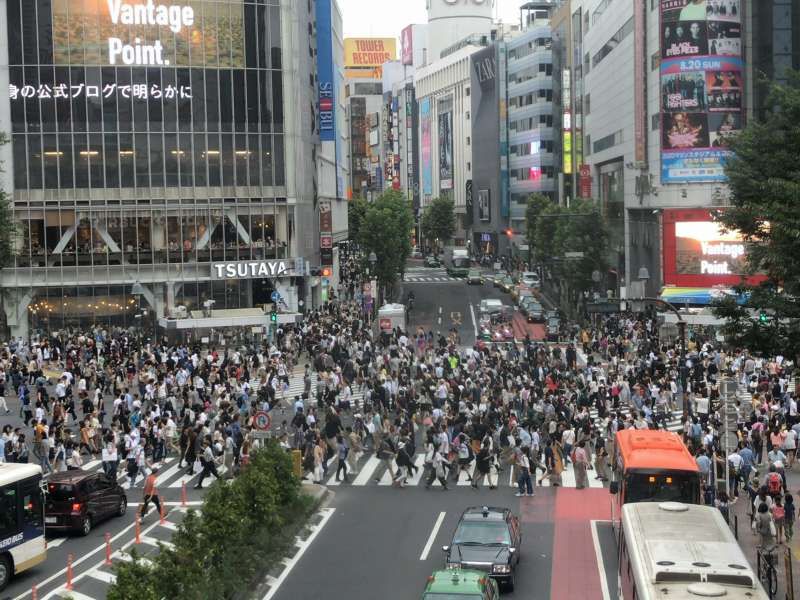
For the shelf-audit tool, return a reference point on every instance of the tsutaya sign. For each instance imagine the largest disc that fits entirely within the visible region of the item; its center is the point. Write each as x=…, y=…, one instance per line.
x=148, y=14
x=255, y=269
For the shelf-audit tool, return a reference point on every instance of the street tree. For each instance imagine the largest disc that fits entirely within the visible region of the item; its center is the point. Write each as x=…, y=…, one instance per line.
x=764, y=189
x=356, y=211
x=386, y=231
x=540, y=227
x=438, y=220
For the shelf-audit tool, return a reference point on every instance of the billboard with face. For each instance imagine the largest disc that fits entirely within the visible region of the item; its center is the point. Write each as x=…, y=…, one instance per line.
x=701, y=88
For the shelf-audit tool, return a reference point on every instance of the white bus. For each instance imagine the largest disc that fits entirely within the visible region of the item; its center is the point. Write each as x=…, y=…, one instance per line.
x=672, y=551
x=22, y=543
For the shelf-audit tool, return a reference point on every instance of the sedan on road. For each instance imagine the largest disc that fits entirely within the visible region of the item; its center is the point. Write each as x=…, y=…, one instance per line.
x=432, y=262
x=497, y=279
x=486, y=539
x=533, y=310
x=474, y=277
x=506, y=283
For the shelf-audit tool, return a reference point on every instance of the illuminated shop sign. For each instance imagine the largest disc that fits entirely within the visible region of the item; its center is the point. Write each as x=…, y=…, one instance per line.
x=254, y=269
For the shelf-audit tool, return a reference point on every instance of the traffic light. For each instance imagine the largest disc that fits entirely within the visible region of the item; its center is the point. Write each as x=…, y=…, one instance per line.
x=763, y=317
x=273, y=316
x=327, y=272
x=510, y=233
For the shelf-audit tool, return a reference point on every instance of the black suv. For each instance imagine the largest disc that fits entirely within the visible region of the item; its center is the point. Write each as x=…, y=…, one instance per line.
x=486, y=539
x=77, y=500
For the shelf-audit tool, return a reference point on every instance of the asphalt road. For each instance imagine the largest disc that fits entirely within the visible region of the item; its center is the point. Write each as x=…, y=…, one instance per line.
x=442, y=305
x=384, y=543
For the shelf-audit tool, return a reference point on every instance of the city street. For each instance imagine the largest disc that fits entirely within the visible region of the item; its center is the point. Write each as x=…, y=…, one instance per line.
x=383, y=543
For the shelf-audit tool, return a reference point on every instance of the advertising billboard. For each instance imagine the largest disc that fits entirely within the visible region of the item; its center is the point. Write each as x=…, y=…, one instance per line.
x=368, y=52
x=701, y=87
x=698, y=253
x=445, y=139
x=425, y=150
x=144, y=33
x=407, y=45
x=326, y=100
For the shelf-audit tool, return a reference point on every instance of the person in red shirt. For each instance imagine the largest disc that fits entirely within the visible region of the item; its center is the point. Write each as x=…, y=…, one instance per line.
x=151, y=493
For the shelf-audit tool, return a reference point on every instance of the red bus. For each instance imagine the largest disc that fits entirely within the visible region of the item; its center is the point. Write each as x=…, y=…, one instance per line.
x=652, y=466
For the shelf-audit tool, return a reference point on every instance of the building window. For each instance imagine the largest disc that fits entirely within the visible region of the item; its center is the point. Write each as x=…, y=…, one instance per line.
x=655, y=61
x=608, y=141
x=615, y=41
x=587, y=104
x=469, y=141
x=655, y=121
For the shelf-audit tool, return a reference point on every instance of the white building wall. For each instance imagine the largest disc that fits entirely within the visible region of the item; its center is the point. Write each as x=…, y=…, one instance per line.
x=450, y=22
x=449, y=77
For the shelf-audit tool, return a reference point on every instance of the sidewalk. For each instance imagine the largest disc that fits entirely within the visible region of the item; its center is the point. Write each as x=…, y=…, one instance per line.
x=749, y=541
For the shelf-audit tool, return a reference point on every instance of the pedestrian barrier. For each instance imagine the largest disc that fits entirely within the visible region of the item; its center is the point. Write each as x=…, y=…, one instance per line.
x=68, y=587
x=183, y=495
x=162, y=516
x=138, y=539
x=789, y=572
x=34, y=593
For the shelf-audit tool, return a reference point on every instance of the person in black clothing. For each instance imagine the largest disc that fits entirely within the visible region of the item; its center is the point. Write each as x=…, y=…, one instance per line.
x=483, y=463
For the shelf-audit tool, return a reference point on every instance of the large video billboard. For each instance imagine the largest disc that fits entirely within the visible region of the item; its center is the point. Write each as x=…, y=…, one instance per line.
x=170, y=33
x=701, y=87
x=445, y=145
x=698, y=253
x=425, y=150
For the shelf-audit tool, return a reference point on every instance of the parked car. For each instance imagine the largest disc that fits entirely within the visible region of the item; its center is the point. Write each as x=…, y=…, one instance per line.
x=531, y=279
x=77, y=501
x=432, y=262
x=474, y=276
x=486, y=539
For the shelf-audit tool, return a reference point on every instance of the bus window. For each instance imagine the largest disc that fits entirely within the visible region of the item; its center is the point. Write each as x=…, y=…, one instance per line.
x=31, y=503
x=8, y=512
x=674, y=487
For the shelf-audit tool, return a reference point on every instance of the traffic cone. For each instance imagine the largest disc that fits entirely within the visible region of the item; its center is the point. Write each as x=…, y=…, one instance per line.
x=34, y=594
x=108, y=549
x=68, y=587
x=138, y=539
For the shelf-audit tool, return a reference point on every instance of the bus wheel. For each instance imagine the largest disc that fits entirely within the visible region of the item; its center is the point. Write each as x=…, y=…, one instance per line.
x=5, y=572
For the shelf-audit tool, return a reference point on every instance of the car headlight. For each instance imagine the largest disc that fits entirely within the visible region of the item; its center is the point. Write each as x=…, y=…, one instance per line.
x=501, y=569
x=453, y=565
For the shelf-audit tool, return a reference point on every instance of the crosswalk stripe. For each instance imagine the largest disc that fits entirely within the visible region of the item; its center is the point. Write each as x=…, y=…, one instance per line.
x=367, y=470
x=388, y=477
x=414, y=479
x=165, y=476
x=464, y=476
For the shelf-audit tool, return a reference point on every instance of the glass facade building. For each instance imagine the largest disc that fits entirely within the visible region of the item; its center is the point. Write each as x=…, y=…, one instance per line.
x=147, y=147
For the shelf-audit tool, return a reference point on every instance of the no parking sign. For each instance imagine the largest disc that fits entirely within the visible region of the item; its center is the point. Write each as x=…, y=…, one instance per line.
x=262, y=421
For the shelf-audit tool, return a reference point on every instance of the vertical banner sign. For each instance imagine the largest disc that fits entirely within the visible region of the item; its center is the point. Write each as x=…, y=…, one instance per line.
x=325, y=233
x=327, y=95
x=425, y=151
x=640, y=72
x=701, y=87
x=446, y=144
x=407, y=45
x=505, y=177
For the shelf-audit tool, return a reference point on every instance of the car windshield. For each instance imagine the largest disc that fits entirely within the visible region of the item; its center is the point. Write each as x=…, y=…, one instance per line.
x=482, y=532
x=440, y=596
x=474, y=273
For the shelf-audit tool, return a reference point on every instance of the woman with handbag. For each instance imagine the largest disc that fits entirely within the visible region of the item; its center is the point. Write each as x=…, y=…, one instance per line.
x=765, y=527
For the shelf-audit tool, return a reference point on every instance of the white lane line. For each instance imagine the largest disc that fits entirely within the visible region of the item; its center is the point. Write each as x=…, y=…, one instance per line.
x=88, y=555
x=103, y=576
x=568, y=476
x=440, y=310
x=164, y=476
x=464, y=477
x=367, y=470
x=432, y=538
x=593, y=482
x=474, y=322
x=327, y=513
x=56, y=542
x=600, y=562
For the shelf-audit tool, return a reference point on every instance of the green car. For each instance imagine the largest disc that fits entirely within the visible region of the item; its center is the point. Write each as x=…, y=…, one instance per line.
x=459, y=584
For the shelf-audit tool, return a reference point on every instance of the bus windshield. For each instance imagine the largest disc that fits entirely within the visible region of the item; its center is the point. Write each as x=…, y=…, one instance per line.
x=662, y=487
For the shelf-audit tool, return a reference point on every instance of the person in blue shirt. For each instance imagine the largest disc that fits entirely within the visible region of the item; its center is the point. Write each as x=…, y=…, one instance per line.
x=748, y=458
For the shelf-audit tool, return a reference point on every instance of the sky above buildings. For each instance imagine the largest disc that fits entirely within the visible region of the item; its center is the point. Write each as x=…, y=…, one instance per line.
x=386, y=18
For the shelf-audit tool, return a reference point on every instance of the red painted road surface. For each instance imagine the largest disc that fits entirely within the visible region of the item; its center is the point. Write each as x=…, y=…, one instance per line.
x=575, y=568
x=522, y=328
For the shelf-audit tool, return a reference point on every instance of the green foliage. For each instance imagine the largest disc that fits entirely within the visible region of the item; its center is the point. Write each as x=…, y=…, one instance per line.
x=386, y=231
x=764, y=180
x=7, y=223
x=438, y=220
x=244, y=528
x=356, y=211
x=553, y=231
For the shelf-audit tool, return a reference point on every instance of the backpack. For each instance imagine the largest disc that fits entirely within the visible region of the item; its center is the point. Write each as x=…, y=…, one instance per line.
x=778, y=512
x=774, y=484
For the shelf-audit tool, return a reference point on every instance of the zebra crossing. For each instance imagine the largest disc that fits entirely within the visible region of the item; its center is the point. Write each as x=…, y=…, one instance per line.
x=296, y=388
x=432, y=279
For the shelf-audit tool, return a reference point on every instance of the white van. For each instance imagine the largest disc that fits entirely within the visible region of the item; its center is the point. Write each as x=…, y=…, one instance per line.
x=491, y=306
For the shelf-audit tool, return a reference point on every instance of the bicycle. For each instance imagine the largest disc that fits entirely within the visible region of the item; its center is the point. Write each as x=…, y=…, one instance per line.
x=767, y=571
